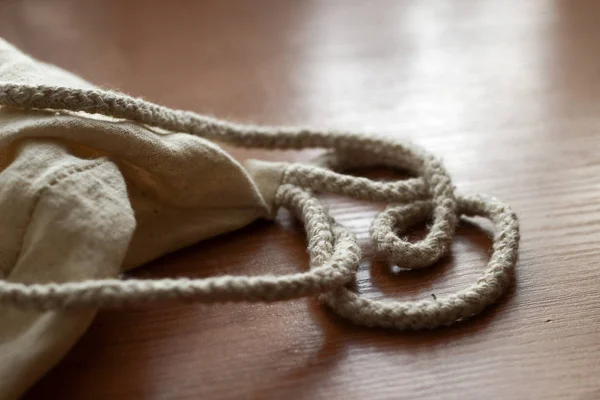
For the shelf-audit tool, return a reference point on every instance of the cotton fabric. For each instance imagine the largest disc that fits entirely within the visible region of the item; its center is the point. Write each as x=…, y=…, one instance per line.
x=84, y=197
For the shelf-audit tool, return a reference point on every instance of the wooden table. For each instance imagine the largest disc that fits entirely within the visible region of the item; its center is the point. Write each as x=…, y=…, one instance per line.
x=507, y=93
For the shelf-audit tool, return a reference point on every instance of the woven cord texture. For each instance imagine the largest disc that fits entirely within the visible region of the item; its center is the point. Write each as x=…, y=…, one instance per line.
x=333, y=250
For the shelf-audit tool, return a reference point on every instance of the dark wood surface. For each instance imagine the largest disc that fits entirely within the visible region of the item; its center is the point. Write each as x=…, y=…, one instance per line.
x=507, y=92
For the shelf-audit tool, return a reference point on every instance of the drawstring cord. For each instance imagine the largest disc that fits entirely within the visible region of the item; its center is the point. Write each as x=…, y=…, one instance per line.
x=333, y=250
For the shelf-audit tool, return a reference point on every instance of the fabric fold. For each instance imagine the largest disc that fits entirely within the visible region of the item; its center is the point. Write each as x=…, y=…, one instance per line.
x=85, y=197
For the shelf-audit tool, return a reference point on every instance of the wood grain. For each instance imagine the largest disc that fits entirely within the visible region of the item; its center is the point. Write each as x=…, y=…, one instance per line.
x=506, y=92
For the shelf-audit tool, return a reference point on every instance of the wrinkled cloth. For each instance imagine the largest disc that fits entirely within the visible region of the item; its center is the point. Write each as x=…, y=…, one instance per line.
x=87, y=197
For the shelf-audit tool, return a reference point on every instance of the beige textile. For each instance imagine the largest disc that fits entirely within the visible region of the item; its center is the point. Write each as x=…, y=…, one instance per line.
x=87, y=197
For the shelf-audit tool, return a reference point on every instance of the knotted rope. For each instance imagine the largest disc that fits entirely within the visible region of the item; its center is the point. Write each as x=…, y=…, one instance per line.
x=333, y=250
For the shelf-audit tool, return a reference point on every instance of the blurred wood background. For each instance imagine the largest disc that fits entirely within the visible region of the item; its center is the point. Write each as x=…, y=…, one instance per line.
x=506, y=92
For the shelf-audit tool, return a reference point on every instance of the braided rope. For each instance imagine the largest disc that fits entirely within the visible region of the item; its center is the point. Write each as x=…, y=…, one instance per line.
x=442, y=311
x=334, y=252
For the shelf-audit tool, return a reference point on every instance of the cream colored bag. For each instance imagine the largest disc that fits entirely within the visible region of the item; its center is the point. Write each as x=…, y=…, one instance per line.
x=85, y=197
x=93, y=183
